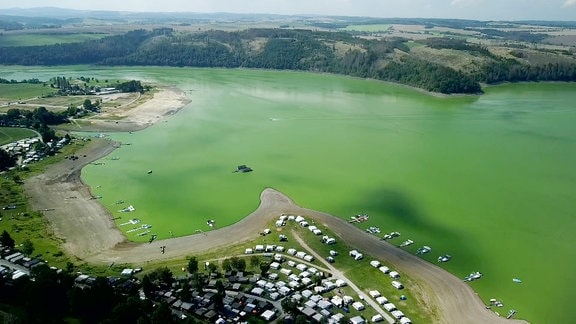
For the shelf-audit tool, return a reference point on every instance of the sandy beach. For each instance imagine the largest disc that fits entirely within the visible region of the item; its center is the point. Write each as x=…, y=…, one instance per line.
x=88, y=232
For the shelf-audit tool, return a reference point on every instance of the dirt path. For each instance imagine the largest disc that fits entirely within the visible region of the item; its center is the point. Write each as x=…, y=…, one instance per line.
x=340, y=275
x=87, y=231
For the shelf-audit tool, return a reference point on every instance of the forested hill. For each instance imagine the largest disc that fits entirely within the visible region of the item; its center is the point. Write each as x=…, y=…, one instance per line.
x=420, y=63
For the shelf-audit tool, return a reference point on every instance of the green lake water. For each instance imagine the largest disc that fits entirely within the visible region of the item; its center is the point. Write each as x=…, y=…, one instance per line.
x=490, y=180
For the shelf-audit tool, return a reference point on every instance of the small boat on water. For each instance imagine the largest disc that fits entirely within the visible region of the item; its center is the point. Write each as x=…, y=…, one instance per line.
x=406, y=243
x=423, y=250
x=444, y=258
x=149, y=171
x=516, y=280
x=359, y=218
x=373, y=230
x=473, y=276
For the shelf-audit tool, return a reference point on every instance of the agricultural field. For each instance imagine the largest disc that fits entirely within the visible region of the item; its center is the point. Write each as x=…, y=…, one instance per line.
x=38, y=39
x=368, y=28
x=22, y=91
x=13, y=134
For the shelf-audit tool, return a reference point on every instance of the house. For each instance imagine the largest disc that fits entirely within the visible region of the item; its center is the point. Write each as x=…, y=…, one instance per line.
x=310, y=303
x=307, y=293
x=317, y=317
x=268, y=315
x=374, y=293
x=358, y=306
x=347, y=299
x=336, y=318
x=308, y=312
x=389, y=307
x=340, y=283
x=324, y=304
x=300, y=254
x=257, y=291
x=337, y=301
x=384, y=269
x=397, y=314
x=261, y=283
x=377, y=318
x=284, y=290
x=357, y=320
x=275, y=265
x=397, y=285
x=381, y=300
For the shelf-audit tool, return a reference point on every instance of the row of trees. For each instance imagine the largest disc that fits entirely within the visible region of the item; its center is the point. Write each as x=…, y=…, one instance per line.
x=291, y=49
x=48, y=296
x=38, y=119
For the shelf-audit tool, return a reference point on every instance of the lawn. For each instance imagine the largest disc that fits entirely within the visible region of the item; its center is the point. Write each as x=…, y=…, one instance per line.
x=23, y=91
x=13, y=134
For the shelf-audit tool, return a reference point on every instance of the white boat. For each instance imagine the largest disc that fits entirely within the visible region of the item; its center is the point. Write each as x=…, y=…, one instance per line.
x=423, y=250
x=444, y=258
x=473, y=276
x=406, y=243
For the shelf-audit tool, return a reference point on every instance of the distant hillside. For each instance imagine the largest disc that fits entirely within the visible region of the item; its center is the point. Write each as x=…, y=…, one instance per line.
x=438, y=64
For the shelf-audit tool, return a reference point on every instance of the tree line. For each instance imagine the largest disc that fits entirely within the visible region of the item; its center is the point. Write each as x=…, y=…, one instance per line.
x=292, y=49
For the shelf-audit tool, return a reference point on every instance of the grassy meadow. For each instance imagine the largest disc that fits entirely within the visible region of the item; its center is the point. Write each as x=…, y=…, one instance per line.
x=39, y=39
x=368, y=28
x=487, y=179
x=22, y=91
x=13, y=134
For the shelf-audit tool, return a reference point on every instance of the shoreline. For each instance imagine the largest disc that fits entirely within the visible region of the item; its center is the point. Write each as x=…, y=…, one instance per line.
x=90, y=234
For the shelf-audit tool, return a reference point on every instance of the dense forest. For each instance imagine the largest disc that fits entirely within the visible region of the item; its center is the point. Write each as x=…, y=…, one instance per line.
x=388, y=59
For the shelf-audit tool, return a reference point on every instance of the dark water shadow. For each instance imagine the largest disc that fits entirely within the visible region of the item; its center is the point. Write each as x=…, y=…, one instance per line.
x=394, y=203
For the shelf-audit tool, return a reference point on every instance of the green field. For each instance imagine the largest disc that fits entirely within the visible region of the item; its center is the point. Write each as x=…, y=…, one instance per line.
x=9, y=40
x=368, y=28
x=23, y=91
x=13, y=134
x=489, y=179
